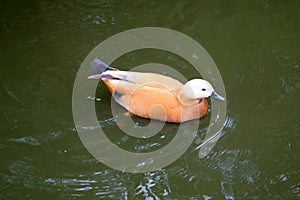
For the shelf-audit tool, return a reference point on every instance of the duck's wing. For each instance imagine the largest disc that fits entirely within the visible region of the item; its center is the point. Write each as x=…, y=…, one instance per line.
x=140, y=78
x=104, y=71
x=125, y=85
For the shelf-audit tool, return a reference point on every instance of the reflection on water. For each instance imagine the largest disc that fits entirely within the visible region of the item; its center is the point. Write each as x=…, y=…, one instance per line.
x=254, y=44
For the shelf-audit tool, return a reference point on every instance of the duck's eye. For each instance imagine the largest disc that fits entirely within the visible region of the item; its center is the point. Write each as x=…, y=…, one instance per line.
x=203, y=89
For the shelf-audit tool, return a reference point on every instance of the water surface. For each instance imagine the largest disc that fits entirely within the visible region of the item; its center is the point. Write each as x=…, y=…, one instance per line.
x=255, y=45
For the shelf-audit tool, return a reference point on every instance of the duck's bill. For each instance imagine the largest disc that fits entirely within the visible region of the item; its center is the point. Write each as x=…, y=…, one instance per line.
x=216, y=96
x=97, y=76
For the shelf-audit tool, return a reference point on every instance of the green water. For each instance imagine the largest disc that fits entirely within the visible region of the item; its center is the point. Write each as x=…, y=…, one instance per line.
x=255, y=45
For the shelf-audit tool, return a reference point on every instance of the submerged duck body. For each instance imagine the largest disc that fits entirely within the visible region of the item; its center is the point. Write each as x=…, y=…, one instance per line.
x=155, y=96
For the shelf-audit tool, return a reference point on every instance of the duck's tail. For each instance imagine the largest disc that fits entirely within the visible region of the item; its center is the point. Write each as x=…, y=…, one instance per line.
x=113, y=73
x=99, y=67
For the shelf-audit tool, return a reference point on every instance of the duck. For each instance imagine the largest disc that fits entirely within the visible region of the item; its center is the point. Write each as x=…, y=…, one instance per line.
x=156, y=96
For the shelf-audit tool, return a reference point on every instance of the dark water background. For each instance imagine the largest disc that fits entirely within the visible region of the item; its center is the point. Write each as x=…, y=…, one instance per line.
x=255, y=45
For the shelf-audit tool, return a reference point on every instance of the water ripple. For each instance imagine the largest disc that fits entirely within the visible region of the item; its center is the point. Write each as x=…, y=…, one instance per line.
x=27, y=140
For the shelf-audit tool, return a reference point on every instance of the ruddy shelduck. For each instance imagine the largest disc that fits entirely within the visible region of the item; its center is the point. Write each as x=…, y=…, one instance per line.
x=155, y=96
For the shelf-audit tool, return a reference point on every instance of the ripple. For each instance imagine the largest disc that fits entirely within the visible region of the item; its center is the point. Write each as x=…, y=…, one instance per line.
x=147, y=146
x=229, y=124
x=154, y=185
x=10, y=93
x=27, y=140
x=102, y=184
x=93, y=98
x=108, y=122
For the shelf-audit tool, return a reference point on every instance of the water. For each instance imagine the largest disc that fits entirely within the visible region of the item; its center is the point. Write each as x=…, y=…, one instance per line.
x=255, y=45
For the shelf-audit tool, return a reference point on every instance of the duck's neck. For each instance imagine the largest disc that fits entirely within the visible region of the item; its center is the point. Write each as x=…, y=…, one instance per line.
x=186, y=101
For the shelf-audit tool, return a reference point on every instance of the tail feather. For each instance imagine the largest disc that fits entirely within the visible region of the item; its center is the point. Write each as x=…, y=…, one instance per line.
x=113, y=75
x=99, y=67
